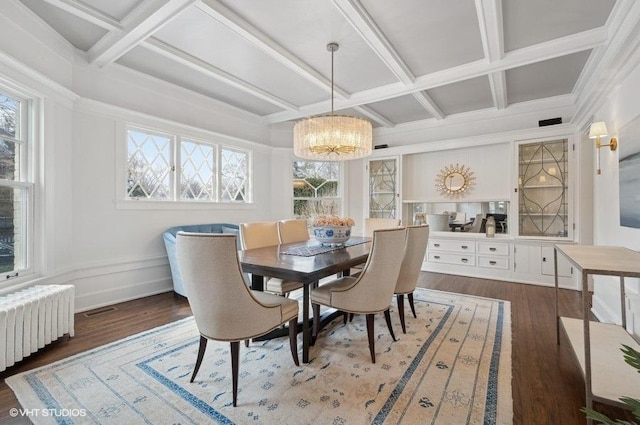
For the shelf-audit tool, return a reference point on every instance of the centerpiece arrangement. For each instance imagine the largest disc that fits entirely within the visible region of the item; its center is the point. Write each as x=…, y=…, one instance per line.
x=332, y=230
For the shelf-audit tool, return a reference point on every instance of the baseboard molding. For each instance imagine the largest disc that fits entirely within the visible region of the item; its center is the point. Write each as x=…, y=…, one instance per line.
x=101, y=284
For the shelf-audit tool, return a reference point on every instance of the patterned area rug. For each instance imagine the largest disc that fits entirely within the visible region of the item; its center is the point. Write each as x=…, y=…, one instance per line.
x=452, y=367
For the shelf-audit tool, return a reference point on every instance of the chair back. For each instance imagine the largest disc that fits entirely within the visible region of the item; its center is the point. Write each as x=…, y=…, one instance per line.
x=258, y=234
x=414, y=251
x=477, y=225
x=371, y=224
x=293, y=231
x=372, y=292
x=223, y=307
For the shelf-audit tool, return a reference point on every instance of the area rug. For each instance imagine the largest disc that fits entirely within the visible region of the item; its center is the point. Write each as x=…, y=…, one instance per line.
x=452, y=367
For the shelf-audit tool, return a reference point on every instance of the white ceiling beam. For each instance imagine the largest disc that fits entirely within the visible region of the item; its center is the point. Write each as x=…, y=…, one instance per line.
x=429, y=104
x=374, y=116
x=491, y=30
x=253, y=35
x=146, y=19
x=360, y=20
x=492, y=33
x=498, y=84
x=87, y=13
x=521, y=57
x=209, y=70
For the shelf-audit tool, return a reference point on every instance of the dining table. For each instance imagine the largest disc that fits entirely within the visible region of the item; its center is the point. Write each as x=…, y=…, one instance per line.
x=305, y=262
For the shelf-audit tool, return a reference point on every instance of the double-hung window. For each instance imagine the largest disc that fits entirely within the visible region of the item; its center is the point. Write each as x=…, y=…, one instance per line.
x=172, y=167
x=16, y=185
x=316, y=188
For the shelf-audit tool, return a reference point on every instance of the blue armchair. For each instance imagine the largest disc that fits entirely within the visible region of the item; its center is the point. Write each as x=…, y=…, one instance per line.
x=169, y=237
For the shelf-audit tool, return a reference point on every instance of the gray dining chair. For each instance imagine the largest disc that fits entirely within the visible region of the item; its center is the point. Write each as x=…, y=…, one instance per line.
x=414, y=251
x=293, y=230
x=223, y=307
x=371, y=291
x=259, y=234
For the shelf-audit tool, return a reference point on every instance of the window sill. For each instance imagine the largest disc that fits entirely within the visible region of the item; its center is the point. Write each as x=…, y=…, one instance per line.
x=182, y=205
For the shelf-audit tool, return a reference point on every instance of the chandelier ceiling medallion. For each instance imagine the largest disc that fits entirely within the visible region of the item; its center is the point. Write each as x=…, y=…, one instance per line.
x=332, y=137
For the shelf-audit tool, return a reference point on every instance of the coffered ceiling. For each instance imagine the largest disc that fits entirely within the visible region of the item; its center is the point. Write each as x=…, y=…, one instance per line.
x=399, y=61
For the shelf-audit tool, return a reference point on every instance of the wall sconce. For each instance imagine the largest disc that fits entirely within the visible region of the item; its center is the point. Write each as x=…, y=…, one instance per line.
x=596, y=131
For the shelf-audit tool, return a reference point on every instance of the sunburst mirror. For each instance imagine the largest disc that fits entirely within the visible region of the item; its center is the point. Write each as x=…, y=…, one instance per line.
x=455, y=181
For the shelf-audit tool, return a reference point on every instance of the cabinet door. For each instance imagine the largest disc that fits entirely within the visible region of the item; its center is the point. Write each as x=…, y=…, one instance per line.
x=564, y=266
x=543, y=189
x=384, y=190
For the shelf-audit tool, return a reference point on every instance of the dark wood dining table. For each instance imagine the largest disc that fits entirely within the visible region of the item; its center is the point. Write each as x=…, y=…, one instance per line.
x=280, y=261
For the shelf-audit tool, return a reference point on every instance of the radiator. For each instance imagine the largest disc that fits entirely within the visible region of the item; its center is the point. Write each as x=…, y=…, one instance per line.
x=32, y=318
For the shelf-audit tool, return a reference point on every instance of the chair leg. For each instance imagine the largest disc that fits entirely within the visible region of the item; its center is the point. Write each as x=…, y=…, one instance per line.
x=413, y=308
x=316, y=320
x=235, y=360
x=400, y=299
x=201, y=348
x=387, y=318
x=293, y=339
x=371, y=336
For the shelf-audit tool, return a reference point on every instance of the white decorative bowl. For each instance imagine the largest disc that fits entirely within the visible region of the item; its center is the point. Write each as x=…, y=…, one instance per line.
x=332, y=235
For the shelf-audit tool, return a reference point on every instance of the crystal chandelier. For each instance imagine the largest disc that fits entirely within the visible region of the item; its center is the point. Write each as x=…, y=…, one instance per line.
x=332, y=137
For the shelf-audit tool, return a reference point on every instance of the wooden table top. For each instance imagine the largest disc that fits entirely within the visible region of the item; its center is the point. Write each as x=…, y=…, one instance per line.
x=605, y=260
x=271, y=261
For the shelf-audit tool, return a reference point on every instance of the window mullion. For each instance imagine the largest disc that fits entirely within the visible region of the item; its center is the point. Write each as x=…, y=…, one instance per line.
x=176, y=167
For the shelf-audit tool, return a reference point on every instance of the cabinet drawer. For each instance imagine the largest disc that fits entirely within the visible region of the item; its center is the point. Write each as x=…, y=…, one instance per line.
x=452, y=246
x=493, y=248
x=451, y=258
x=493, y=262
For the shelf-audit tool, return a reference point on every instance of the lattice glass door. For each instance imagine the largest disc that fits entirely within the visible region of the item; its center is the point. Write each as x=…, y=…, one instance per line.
x=543, y=186
x=383, y=188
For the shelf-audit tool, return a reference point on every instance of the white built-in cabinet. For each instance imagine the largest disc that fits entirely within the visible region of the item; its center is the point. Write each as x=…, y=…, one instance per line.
x=532, y=180
x=383, y=185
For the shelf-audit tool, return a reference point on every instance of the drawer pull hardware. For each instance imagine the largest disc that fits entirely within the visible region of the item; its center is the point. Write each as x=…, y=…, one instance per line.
x=437, y=257
x=436, y=245
x=464, y=247
x=492, y=249
x=493, y=263
x=464, y=260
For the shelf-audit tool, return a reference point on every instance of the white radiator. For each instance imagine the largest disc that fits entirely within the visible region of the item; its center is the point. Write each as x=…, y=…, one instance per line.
x=33, y=317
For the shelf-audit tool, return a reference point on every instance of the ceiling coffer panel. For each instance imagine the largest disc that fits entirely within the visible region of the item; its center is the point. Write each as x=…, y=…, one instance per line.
x=463, y=96
x=212, y=42
x=400, y=109
x=554, y=77
x=148, y=62
x=304, y=29
x=532, y=22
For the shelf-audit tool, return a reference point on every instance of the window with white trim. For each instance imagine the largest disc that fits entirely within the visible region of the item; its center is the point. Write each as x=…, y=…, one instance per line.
x=16, y=185
x=316, y=188
x=170, y=167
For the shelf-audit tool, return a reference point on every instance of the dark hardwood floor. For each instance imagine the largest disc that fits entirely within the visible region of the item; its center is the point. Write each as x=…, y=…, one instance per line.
x=547, y=384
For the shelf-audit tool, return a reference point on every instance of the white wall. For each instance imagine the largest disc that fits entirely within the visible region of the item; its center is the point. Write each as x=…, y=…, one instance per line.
x=85, y=234
x=620, y=109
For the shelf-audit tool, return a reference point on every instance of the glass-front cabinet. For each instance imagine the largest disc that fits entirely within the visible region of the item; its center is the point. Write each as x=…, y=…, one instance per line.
x=543, y=189
x=384, y=190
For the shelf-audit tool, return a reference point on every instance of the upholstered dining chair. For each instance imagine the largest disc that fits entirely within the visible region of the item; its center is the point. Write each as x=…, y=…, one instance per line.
x=294, y=230
x=414, y=251
x=371, y=224
x=372, y=291
x=258, y=234
x=224, y=308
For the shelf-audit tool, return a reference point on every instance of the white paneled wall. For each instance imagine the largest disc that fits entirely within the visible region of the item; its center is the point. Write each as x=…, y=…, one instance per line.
x=491, y=166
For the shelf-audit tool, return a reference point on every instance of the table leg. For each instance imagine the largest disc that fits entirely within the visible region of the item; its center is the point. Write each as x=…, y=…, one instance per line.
x=257, y=282
x=306, y=332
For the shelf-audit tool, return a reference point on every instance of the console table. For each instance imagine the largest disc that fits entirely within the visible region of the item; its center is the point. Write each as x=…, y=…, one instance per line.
x=597, y=345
